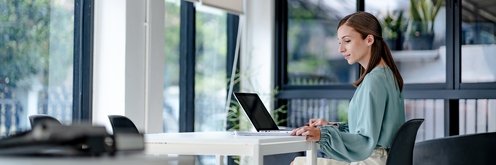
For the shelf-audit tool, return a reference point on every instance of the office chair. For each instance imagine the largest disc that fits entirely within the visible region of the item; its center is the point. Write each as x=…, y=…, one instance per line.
x=122, y=124
x=457, y=150
x=401, y=151
x=41, y=118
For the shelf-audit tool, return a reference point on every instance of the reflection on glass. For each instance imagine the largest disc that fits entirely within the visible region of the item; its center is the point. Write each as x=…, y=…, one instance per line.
x=210, y=72
x=171, y=76
x=478, y=41
x=475, y=116
x=417, y=41
x=313, y=56
x=210, y=69
x=433, y=113
x=36, y=61
x=300, y=111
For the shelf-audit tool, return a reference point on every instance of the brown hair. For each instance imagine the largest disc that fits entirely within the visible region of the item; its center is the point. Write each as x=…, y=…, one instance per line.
x=367, y=24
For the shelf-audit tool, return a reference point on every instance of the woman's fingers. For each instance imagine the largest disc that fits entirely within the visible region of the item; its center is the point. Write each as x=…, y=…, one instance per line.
x=313, y=134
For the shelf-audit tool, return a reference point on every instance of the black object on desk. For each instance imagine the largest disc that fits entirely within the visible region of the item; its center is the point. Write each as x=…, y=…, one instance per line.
x=52, y=138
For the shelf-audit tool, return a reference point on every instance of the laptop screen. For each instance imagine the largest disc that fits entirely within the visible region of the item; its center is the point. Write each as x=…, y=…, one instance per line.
x=256, y=111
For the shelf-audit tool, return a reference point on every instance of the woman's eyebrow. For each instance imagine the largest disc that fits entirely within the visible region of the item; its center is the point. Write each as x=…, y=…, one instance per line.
x=344, y=36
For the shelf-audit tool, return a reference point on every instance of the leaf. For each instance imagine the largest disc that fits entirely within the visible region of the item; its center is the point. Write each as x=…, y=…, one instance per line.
x=414, y=13
x=438, y=6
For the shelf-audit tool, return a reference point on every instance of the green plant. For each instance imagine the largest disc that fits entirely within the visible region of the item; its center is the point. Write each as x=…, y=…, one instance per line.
x=393, y=27
x=423, y=13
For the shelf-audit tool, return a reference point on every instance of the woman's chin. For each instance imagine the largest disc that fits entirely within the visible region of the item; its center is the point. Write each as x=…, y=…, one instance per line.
x=350, y=62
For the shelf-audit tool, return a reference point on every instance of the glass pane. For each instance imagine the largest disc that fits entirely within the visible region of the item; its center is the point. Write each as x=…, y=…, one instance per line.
x=478, y=41
x=300, y=111
x=313, y=56
x=210, y=73
x=171, y=70
x=475, y=116
x=417, y=43
x=432, y=111
x=210, y=70
x=36, y=61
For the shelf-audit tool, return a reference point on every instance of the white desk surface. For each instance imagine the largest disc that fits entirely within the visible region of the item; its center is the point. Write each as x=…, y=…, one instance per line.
x=225, y=143
x=216, y=137
x=138, y=159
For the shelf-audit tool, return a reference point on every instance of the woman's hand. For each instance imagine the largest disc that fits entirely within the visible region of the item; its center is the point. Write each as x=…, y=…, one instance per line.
x=318, y=122
x=312, y=133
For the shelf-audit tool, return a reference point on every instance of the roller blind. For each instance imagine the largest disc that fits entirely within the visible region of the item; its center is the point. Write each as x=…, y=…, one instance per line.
x=232, y=6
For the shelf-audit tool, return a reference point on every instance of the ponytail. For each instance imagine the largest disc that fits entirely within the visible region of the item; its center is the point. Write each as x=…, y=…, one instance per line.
x=380, y=50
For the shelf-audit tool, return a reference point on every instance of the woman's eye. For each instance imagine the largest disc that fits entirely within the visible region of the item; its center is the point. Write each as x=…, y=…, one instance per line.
x=347, y=41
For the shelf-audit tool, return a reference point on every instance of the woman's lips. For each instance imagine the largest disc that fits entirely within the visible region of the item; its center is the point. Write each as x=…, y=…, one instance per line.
x=346, y=56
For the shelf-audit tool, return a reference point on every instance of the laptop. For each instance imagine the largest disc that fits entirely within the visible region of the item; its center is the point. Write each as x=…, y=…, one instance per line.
x=258, y=116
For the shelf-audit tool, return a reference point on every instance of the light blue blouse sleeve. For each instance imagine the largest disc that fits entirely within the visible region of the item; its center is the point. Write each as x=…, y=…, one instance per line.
x=364, y=124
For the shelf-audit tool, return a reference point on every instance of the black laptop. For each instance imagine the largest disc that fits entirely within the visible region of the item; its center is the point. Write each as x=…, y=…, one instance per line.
x=259, y=116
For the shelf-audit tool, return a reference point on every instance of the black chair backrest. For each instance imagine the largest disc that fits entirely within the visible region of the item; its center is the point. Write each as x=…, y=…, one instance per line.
x=457, y=150
x=40, y=119
x=122, y=124
x=401, y=151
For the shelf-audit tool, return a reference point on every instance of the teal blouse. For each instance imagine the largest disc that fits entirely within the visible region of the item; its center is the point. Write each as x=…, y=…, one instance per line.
x=375, y=113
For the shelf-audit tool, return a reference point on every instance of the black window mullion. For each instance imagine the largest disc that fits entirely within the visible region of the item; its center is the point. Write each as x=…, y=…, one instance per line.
x=281, y=47
x=83, y=61
x=281, y=38
x=360, y=5
x=451, y=117
x=187, y=68
x=232, y=36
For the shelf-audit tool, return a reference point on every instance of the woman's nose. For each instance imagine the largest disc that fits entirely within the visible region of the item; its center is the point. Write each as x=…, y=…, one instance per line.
x=341, y=48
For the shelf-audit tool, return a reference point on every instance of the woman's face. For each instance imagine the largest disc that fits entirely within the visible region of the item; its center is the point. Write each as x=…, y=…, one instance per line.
x=353, y=47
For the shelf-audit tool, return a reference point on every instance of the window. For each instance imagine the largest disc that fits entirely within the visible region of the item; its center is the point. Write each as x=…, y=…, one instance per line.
x=475, y=116
x=210, y=69
x=432, y=110
x=36, y=61
x=312, y=45
x=478, y=41
x=171, y=68
x=417, y=42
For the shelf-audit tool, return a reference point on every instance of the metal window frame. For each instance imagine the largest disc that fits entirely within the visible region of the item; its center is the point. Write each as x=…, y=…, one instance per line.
x=83, y=61
x=187, y=58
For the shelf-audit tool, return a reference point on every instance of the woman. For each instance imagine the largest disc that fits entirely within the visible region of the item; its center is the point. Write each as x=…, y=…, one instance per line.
x=376, y=110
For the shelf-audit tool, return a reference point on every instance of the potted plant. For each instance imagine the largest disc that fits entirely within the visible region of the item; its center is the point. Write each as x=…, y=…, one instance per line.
x=393, y=30
x=421, y=25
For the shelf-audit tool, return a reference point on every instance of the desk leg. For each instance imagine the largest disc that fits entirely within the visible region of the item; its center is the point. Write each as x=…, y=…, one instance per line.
x=312, y=154
x=257, y=157
x=219, y=159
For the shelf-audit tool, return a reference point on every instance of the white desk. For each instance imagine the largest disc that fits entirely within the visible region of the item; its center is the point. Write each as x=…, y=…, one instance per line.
x=137, y=159
x=224, y=143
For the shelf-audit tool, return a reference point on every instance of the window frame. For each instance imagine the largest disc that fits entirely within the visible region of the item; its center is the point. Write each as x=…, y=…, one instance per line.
x=83, y=61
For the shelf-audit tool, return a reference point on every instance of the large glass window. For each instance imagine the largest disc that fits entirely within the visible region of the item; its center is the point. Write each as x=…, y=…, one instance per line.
x=475, y=116
x=313, y=56
x=478, y=41
x=432, y=111
x=210, y=69
x=36, y=61
x=300, y=111
x=171, y=68
x=416, y=40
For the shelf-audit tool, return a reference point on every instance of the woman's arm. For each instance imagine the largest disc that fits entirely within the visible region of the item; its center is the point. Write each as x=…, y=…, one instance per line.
x=365, y=117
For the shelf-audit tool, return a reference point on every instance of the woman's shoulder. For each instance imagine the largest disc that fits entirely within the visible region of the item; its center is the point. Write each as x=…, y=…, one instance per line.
x=381, y=77
x=378, y=74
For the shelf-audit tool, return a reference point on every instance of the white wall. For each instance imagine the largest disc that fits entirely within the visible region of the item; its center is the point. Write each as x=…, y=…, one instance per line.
x=257, y=50
x=123, y=81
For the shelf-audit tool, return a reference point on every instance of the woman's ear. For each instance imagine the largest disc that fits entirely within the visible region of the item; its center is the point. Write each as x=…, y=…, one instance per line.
x=370, y=40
